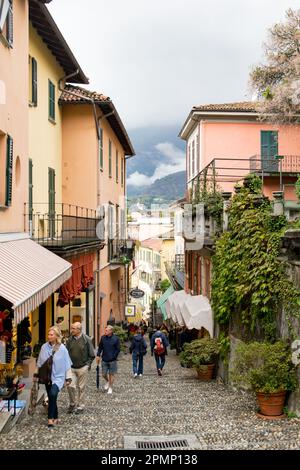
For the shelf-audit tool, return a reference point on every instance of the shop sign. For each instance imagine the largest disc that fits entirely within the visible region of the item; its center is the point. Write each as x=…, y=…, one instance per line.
x=130, y=310
x=137, y=293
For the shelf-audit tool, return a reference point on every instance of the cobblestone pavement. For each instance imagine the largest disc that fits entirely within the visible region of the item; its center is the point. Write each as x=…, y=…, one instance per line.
x=176, y=403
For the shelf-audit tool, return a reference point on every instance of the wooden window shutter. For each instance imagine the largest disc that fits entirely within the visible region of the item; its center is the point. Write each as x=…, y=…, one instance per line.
x=117, y=166
x=101, y=148
x=51, y=100
x=34, y=81
x=30, y=192
x=109, y=159
x=122, y=171
x=9, y=170
x=10, y=26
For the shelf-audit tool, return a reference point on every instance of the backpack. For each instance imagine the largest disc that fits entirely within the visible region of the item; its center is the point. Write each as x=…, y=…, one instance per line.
x=143, y=348
x=159, y=348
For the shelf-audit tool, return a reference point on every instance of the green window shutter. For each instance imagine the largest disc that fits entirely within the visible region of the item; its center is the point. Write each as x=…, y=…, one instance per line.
x=30, y=188
x=9, y=170
x=51, y=100
x=101, y=148
x=269, y=148
x=122, y=171
x=34, y=81
x=10, y=26
x=109, y=160
x=117, y=166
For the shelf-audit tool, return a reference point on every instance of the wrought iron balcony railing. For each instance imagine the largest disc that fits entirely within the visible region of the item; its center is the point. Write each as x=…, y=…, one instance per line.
x=233, y=170
x=119, y=251
x=61, y=225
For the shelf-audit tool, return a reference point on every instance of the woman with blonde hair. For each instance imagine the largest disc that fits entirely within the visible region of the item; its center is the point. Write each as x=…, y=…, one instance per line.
x=60, y=373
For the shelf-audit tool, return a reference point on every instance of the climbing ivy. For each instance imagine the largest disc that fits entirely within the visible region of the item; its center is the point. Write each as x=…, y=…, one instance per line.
x=248, y=278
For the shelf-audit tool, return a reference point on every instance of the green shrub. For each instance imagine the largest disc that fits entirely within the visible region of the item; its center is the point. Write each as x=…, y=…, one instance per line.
x=199, y=352
x=123, y=336
x=265, y=367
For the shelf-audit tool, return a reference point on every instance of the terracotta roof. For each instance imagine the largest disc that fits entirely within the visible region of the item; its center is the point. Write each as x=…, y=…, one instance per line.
x=66, y=97
x=153, y=243
x=47, y=29
x=106, y=106
x=244, y=106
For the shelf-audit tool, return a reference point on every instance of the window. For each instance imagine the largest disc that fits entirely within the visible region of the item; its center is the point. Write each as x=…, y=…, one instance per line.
x=117, y=166
x=6, y=22
x=51, y=109
x=33, y=81
x=122, y=170
x=101, y=148
x=109, y=159
x=9, y=170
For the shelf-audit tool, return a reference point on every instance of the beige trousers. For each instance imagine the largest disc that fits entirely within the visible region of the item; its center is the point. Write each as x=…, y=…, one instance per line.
x=79, y=377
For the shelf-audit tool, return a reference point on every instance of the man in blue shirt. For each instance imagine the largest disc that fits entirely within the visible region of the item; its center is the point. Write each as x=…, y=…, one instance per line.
x=109, y=348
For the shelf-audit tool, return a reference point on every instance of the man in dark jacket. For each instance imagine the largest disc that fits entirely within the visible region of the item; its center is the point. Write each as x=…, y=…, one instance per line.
x=138, y=349
x=82, y=354
x=160, y=356
x=109, y=348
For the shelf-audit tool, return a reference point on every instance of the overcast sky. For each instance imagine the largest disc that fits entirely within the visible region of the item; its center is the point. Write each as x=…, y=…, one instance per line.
x=158, y=58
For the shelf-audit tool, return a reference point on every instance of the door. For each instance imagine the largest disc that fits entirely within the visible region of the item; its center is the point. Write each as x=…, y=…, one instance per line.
x=269, y=148
x=51, y=202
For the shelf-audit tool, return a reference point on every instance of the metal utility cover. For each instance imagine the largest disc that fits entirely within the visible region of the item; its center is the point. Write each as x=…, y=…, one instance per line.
x=177, y=441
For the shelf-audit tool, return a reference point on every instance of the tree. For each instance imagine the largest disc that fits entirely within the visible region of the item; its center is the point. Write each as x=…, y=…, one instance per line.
x=165, y=284
x=278, y=81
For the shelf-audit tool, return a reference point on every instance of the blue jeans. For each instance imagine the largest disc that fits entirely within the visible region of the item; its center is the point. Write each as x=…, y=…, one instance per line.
x=160, y=361
x=137, y=363
x=52, y=392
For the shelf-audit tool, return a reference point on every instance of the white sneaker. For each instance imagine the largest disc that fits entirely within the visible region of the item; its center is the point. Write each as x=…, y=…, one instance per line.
x=135, y=375
x=140, y=375
x=106, y=386
x=109, y=391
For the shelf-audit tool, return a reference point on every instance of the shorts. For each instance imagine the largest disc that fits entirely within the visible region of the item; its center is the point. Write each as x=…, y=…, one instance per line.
x=109, y=367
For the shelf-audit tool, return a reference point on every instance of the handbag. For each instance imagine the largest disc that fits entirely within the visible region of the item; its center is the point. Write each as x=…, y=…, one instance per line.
x=45, y=371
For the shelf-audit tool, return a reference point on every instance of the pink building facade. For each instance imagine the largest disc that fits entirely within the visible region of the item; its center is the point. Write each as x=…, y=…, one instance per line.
x=230, y=141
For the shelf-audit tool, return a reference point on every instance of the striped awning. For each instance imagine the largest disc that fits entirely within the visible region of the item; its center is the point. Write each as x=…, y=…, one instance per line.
x=29, y=274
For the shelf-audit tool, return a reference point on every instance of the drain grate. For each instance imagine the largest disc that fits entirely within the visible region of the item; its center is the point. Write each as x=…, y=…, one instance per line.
x=178, y=441
x=162, y=444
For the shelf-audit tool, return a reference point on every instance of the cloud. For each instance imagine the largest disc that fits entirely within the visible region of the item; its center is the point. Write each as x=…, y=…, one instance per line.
x=138, y=179
x=175, y=162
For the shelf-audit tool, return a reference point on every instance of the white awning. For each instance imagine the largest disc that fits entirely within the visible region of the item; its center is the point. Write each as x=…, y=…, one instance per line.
x=29, y=273
x=197, y=313
x=174, y=305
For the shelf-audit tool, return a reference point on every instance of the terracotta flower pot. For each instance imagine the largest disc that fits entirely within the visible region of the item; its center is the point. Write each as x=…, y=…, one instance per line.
x=205, y=372
x=271, y=404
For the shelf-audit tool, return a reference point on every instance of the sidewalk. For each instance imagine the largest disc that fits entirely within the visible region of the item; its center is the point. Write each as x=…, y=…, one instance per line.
x=176, y=403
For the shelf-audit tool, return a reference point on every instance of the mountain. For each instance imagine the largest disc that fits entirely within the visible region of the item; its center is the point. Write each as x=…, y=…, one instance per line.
x=164, y=190
x=144, y=140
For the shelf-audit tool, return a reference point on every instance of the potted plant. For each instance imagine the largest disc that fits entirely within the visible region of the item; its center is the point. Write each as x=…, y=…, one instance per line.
x=201, y=354
x=266, y=369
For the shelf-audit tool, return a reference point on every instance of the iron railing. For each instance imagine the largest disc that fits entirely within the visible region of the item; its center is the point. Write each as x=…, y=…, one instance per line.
x=234, y=169
x=61, y=224
x=179, y=262
x=118, y=252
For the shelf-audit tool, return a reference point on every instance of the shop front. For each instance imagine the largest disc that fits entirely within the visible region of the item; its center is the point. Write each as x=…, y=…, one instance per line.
x=75, y=300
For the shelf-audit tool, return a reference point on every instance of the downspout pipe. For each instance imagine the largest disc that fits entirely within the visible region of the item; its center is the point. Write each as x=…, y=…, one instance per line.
x=61, y=83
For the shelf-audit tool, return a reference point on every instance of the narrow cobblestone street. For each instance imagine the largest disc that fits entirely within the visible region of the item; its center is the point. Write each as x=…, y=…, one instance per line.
x=177, y=403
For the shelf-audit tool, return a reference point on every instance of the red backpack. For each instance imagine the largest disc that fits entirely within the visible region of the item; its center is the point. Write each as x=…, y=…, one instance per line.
x=159, y=348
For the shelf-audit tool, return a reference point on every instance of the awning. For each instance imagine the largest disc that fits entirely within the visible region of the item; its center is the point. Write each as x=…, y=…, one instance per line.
x=29, y=274
x=174, y=304
x=162, y=300
x=197, y=313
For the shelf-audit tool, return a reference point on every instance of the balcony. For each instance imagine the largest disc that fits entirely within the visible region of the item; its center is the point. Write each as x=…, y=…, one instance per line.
x=120, y=252
x=63, y=227
x=233, y=170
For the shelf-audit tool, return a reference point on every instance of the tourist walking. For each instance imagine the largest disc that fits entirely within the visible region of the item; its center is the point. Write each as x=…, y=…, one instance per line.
x=138, y=349
x=58, y=374
x=109, y=349
x=159, y=344
x=82, y=354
